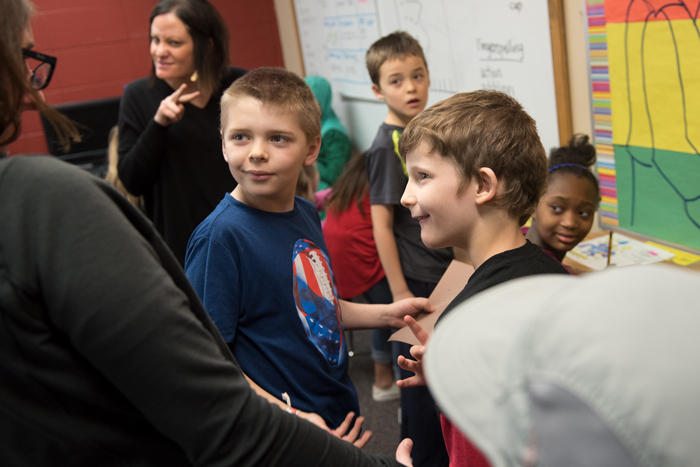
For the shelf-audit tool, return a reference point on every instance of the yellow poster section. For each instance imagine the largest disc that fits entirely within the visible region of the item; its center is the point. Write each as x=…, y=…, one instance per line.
x=667, y=65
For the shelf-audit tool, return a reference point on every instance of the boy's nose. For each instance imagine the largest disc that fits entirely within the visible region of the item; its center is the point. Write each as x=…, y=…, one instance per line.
x=257, y=152
x=407, y=199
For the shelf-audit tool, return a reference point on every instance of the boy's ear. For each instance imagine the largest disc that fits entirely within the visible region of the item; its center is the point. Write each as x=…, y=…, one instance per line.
x=223, y=147
x=487, y=186
x=377, y=92
x=314, y=148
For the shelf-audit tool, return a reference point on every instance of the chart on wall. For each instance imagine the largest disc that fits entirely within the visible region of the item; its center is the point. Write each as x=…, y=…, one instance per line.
x=469, y=44
x=645, y=73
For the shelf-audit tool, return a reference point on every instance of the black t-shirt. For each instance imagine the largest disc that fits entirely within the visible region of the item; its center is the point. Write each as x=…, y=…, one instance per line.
x=527, y=260
x=387, y=182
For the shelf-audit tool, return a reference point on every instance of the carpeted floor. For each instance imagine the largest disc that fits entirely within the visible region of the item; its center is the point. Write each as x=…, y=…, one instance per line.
x=380, y=417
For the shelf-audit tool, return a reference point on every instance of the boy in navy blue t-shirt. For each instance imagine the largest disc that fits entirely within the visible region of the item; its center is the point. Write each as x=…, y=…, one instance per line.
x=259, y=262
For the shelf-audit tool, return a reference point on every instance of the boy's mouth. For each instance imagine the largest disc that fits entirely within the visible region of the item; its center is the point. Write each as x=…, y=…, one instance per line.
x=258, y=174
x=422, y=218
x=413, y=102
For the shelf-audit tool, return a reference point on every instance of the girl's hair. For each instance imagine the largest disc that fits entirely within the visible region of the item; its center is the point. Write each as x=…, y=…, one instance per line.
x=112, y=176
x=352, y=185
x=307, y=183
x=575, y=159
x=209, y=34
x=13, y=78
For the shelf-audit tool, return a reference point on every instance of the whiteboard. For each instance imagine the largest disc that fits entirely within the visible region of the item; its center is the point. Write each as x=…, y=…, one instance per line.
x=469, y=44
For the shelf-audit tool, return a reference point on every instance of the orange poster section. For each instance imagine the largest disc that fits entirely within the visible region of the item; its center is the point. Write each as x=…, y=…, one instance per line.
x=650, y=10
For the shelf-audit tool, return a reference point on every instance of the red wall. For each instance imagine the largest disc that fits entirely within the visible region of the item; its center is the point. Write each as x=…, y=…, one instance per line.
x=103, y=45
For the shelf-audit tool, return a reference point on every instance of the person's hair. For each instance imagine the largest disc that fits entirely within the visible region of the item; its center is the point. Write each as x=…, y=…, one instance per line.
x=575, y=159
x=209, y=34
x=307, y=183
x=112, y=176
x=279, y=89
x=352, y=185
x=485, y=129
x=397, y=45
x=14, y=84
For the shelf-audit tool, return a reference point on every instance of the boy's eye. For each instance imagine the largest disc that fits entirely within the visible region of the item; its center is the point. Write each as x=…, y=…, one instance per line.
x=585, y=214
x=557, y=209
x=422, y=176
x=395, y=81
x=155, y=40
x=238, y=137
x=278, y=139
x=418, y=76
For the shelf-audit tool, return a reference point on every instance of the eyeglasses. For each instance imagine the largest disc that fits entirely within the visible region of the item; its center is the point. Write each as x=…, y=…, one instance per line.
x=41, y=72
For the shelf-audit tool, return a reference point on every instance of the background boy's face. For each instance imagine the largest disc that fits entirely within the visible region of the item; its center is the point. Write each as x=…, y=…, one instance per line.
x=403, y=85
x=265, y=149
x=433, y=196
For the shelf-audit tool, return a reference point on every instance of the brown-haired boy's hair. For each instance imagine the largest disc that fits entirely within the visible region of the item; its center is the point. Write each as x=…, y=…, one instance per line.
x=486, y=129
x=399, y=44
x=278, y=88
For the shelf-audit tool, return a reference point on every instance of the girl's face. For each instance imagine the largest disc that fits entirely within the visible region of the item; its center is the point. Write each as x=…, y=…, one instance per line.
x=172, y=49
x=564, y=215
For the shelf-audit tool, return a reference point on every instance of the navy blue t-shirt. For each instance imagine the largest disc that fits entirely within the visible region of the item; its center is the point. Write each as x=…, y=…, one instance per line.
x=265, y=279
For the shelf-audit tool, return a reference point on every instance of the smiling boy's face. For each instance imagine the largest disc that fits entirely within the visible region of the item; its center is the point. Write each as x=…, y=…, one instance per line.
x=403, y=85
x=433, y=195
x=265, y=149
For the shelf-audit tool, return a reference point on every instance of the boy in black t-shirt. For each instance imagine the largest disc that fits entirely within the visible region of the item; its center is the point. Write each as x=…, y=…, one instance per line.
x=476, y=170
x=400, y=77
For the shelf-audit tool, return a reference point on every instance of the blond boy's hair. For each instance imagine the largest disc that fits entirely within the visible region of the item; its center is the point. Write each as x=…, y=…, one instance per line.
x=280, y=89
x=486, y=129
x=397, y=45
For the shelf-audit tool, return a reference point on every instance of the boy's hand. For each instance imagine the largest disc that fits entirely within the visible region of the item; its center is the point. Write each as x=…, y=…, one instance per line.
x=403, y=452
x=402, y=295
x=339, y=432
x=171, y=109
x=393, y=315
x=417, y=352
x=352, y=435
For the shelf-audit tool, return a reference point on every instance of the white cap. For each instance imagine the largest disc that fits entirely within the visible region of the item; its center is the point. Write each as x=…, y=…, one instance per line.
x=601, y=369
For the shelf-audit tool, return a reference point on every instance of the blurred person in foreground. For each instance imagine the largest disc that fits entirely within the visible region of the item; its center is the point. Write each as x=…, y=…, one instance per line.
x=107, y=356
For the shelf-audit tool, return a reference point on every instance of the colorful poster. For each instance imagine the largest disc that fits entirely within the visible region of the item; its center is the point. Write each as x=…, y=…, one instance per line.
x=645, y=73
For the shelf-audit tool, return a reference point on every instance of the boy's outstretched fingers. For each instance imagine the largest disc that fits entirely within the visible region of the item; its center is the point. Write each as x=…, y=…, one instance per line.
x=417, y=330
x=403, y=452
x=414, y=366
x=352, y=435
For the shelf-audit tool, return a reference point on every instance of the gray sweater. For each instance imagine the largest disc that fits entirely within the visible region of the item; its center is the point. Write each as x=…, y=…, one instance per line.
x=107, y=356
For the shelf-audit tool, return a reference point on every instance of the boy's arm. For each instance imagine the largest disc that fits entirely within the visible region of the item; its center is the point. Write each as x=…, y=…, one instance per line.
x=366, y=316
x=340, y=432
x=383, y=230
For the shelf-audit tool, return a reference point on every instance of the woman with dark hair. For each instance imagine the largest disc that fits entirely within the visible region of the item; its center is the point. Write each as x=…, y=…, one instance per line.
x=107, y=356
x=169, y=143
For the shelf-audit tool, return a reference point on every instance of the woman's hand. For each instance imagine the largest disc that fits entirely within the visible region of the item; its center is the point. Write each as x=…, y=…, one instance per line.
x=171, y=109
